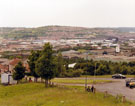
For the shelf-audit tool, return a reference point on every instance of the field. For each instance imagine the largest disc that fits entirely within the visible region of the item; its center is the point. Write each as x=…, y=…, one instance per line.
x=79, y=81
x=35, y=94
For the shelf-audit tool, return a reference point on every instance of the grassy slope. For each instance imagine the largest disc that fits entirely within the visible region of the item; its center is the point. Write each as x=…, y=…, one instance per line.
x=36, y=95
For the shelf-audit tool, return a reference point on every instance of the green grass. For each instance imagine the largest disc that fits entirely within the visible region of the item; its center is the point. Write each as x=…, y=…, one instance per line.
x=105, y=76
x=35, y=94
x=81, y=50
x=130, y=76
x=79, y=81
x=97, y=76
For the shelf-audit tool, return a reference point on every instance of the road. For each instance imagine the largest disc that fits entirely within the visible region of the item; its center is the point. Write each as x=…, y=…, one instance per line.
x=115, y=88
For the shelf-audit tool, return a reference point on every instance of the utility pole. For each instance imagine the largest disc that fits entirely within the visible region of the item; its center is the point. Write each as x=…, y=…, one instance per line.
x=95, y=71
x=86, y=82
x=86, y=73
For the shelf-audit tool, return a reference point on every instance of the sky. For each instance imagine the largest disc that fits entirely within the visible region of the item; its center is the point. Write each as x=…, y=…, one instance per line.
x=84, y=13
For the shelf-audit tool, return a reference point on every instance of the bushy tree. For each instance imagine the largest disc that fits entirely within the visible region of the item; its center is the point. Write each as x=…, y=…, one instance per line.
x=73, y=73
x=32, y=63
x=101, y=70
x=45, y=66
x=89, y=68
x=60, y=66
x=125, y=70
x=132, y=70
x=19, y=72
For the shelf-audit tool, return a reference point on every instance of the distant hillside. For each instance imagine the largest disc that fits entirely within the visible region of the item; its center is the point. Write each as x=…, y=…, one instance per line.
x=56, y=31
x=66, y=32
x=127, y=29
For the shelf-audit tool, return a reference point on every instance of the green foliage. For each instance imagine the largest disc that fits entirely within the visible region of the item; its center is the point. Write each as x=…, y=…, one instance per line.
x=45, y=66
x=32, y=62
x=10, y=55
x=132, y=70
x=77, y=73
x=19, y=72
x=101, y=70
x=124, y=69
x=77, y=48
x=73, y=73
x=60, y=66
x=126, y=44
x=86, y=47
x=74, y=60
x=106, y=68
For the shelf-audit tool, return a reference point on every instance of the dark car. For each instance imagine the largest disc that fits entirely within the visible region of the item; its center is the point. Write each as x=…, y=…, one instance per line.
x=118, y=76
x=128, y=81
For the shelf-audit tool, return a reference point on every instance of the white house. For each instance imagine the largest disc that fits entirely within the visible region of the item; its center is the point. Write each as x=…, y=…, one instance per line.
x=71, y=65
x=6, y=78
x=118, y=49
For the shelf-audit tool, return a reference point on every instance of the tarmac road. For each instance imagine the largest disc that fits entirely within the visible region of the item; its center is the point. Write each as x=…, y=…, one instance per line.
x=117, y=87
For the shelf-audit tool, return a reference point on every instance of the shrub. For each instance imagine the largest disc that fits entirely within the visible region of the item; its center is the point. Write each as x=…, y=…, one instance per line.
x=73, y=73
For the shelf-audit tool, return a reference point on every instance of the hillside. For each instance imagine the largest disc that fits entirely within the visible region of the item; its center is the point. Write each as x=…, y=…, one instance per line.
x=67, y=32
x=35, y=94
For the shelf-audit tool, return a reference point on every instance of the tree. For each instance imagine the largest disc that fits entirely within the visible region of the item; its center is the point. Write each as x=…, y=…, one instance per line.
x=132, y=71
x=19, y=72
x=89, y=68
x=32, y=63
x=60, y=66
x=101, y=70
x=116, y=68
x=45, y=66
x=124, y=69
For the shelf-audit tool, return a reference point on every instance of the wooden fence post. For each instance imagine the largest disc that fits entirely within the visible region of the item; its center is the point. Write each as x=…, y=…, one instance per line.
x=117, y=96
x=123, y=99
x=94, y=91
x=106, y=93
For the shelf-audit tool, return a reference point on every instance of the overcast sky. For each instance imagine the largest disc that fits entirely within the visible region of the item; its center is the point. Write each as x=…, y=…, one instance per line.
x=86, y=13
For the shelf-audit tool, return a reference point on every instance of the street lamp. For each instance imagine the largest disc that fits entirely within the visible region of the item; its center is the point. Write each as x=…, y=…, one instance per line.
x=95, y=72
x=86, y=73
x=86, y=82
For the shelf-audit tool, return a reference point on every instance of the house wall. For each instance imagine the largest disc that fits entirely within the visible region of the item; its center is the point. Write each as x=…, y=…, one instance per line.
x=4, y=78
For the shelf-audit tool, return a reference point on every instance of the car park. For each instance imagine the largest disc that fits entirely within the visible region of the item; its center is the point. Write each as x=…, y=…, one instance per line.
x=119, y=76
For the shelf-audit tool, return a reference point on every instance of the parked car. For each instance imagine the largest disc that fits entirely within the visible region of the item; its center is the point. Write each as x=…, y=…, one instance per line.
x=132, y=84
x=128, y=81
x=118, y=76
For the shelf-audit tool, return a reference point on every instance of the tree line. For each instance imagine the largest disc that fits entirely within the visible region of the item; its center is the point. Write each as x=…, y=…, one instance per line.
x=48, y=64
x=92, y=67
x=78, y=47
